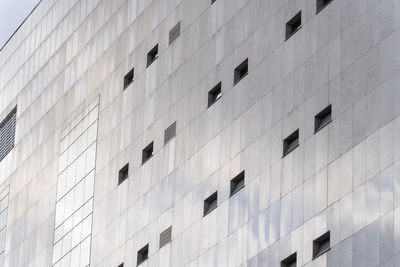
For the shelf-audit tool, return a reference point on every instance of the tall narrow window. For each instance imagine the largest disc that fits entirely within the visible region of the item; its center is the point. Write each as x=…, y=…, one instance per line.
x=291, y=142
x=152, y=55
x=7, y=133
x=165, y=236
x=290, y=261
x=214, y=94
x=321, y=244
x=210, y=203
x=128, y=79
x=123, y=174
x=147, y=153
x=241, y=71
x=323, y=118
x=293, y=25
x=170, y=133
x=174, y=32
x=143, y=254
x=321, y=4
x=237, y=183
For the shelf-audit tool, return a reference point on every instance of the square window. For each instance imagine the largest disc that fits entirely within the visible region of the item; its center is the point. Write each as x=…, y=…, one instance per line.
x=147, y=152
x=214, y=94
x=152, y=55
x=321, y=244
x=165, y=236
x=123, y=174
x=321, y=4
x=293, y=25
x=237, y=183
x=323, y=118
x=241, y=71
x=128, y=79
x=143, y=254
x=174, y=32
x=291, y=142
x=169, y=133
x=210, y=203
x=290, y=261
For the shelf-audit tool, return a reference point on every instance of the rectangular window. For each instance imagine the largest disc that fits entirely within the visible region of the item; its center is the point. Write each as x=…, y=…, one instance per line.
x=174, y=32
x=128, y=79
x=241, y=71
x=214, y=94
x=143, y=254
x=237, y=183
x=121, y=265
x=165, y=236
x=152, y=55
x=7, y=133
x=291, y=142
x=321, y=4
x=147, y=153
x=210, y=203
x=321, y=244
x=170, y=133
x=212, y=1
x=123, y=174
x=290, y=261
x=293, y=25
x=323, y=118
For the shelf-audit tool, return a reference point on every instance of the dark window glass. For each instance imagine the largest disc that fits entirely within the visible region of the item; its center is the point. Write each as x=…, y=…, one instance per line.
x=293, y=25
x=323, y=118
x=121, y=265
x=210, y=203
x=174, y=32
x=214, y=94
x=152, y=55
x=123, y=174
x=7, y=133
x=143, y=254
x=291, y=142
x=237, y=183
x=128, y=79
x=212, y=1
x=321, y=4
x=241, y=71
x=321, y=244
x=147, y=152
x=290, y=261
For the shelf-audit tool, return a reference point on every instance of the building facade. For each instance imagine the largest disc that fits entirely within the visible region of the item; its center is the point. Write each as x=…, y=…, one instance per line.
x=167, y=133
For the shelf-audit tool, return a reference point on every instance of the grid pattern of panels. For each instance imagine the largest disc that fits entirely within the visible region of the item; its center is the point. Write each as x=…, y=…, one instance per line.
x=3, y=223
x=7, y=133
x=74, y=208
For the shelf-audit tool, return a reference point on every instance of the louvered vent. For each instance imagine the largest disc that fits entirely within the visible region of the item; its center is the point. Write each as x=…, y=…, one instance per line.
x=165, y=237
x=7, y=133
x=170, y=133
x=174, y=32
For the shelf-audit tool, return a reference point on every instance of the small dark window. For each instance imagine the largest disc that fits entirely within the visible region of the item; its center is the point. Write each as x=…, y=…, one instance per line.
x=214, y=94
x=174, y=32
x=121, y=265
x=212, y=1
x=7, y=133
x=128, y=79
x=143, y=254
x=152, y=55
x=321, y=4
x=293, y=25
x=323, y=118
x=165, y=236
x=210, y=203
x=237, y=183
x=291, y=142
x=290, y=261
x=321, y=244
x=241, y=71
x=169, y=133
x=123, y=174
x=147, y=152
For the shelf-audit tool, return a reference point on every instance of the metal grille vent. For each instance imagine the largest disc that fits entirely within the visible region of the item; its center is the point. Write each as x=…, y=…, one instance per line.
x=165, y=237
x=174, y=32
x=170, y=133
x=7, y=133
